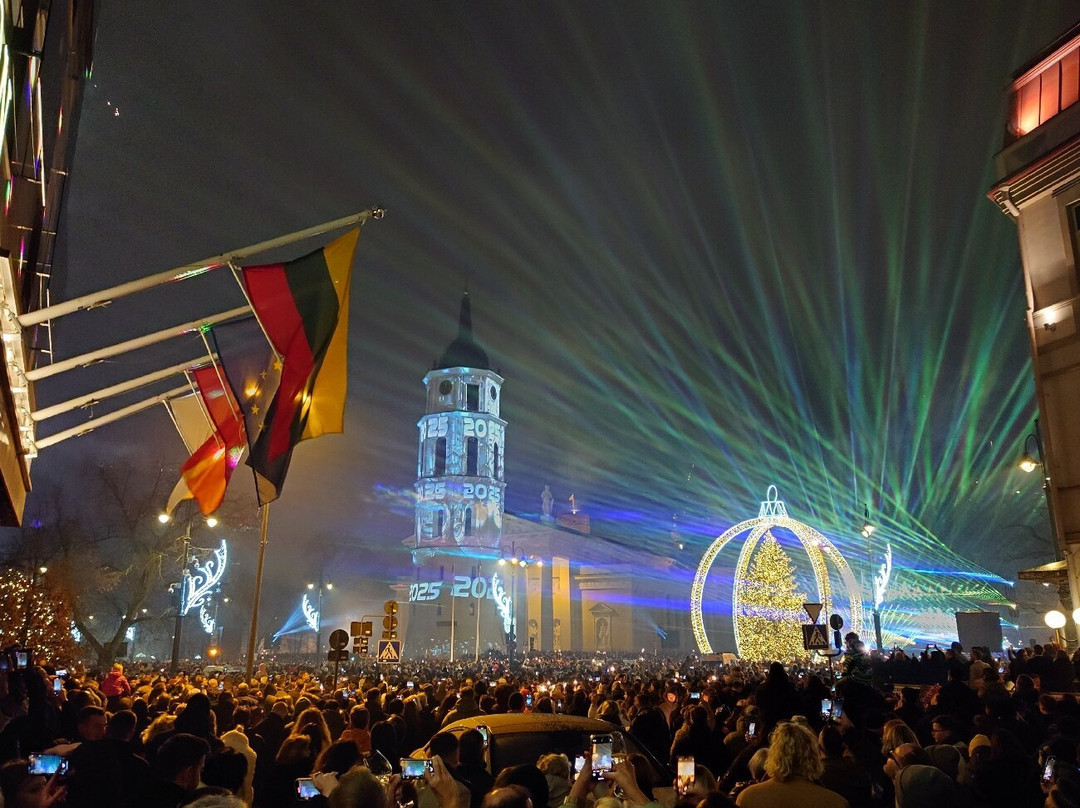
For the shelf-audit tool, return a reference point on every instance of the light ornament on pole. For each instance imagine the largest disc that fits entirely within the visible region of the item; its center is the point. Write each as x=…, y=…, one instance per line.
x=502, y=602
x=773, y=514
x=202, y=578
x=881, y=578
x=311, y=614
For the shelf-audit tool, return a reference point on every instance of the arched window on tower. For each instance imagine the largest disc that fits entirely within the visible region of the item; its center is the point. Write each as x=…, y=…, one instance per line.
x=472, y=451
x=468, y=522
x=496, y=471
x=440, y=523
x=440, y=457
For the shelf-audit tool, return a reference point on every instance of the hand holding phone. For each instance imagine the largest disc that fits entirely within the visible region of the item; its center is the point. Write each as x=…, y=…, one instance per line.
x=602, y=749
x=305, y=788
x=47, y=765
x=684, y=776
x=414, y=768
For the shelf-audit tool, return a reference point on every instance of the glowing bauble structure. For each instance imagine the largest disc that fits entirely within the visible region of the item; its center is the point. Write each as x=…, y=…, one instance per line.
x=759, y=622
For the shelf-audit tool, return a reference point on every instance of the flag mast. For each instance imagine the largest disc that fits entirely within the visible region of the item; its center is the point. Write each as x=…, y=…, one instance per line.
x=258, y=591
x=194, y=269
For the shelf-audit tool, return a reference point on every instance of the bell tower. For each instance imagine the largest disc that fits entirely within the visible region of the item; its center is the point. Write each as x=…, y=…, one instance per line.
x=459, y=478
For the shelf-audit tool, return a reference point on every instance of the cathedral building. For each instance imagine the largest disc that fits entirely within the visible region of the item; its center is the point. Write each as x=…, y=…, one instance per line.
x=487, y=580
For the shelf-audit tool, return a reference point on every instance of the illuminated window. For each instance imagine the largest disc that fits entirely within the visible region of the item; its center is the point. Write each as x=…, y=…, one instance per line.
x=440, y=456
x=472, y=397
x=495, y=470
x=472, y=451
x=468, y=522
x=1045, y=94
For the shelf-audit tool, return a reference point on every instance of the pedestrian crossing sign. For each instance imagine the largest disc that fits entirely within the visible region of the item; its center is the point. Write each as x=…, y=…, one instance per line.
x=389, y=651
x=814, y=638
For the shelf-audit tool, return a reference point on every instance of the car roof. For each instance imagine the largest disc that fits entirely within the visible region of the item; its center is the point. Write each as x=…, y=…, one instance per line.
x=507, y=723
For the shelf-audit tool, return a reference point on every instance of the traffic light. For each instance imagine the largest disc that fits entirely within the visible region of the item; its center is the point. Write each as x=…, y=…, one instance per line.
x=389, y=624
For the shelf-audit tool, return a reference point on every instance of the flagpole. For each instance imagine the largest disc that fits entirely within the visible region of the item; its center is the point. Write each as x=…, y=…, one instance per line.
x=98, y=396
x=194, y=269
x=258, y=592
x=94, y=423
x=36, y=374
x=479, y=574
x=453, y=611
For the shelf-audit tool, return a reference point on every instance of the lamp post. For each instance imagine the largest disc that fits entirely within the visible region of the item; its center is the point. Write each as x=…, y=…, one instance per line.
x=182, y=602
x=516, y=561
x=328, y=585
x=868, y=531
x=1028, y=463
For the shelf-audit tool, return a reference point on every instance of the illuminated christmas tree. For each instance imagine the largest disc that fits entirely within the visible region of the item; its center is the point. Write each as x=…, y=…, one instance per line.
x=47, y=628
x=771, y=614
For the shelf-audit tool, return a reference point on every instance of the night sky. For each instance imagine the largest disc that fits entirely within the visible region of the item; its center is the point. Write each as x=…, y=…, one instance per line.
x=711, y=247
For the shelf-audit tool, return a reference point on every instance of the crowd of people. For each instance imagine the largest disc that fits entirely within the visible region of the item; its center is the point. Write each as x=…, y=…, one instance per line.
x=942, y=728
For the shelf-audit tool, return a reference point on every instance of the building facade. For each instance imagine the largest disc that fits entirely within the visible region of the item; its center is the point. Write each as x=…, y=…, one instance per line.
x=1039, y=188
x=46, y=55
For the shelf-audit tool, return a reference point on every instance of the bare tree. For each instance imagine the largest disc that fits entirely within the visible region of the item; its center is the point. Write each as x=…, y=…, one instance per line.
x=116, y=557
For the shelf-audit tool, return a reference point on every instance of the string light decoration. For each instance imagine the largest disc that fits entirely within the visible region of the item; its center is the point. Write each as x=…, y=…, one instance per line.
x=48, y=630
x=769, y=621
x=820, y=551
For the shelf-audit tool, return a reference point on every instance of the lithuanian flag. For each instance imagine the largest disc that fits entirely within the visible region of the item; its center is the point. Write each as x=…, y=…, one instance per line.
x=303, y=306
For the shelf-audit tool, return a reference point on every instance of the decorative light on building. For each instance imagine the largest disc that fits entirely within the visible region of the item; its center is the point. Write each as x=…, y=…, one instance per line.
x=129, y=635
x=201, y=578
x=75, y=633
x=311, y=614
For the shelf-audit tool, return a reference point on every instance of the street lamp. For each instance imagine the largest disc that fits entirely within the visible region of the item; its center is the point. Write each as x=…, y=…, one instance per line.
x=1055, y=620
x=867, y=531
x=517, y=561
x=328, y=586
x=1029, y=462
x=183, y=601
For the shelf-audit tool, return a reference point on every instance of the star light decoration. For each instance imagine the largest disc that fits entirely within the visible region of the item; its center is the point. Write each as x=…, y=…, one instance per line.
x=820, y=551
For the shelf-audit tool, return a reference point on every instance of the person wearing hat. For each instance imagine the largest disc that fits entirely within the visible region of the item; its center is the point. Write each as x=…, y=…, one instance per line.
x=919, y=786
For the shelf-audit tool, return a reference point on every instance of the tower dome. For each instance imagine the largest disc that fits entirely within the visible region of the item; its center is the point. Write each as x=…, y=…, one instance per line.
x=464, y=351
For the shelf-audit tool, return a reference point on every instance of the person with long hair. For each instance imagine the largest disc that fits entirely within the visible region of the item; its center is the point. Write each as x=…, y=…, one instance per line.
x=793, y=766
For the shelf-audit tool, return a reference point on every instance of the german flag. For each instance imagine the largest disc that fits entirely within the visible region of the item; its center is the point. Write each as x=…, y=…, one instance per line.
x=303, y=306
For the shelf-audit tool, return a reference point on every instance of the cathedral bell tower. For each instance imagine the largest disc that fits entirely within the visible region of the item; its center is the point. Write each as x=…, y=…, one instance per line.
x=459, y=478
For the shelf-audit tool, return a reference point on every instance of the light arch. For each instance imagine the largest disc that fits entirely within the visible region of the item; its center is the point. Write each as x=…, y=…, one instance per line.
x=819, y=550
